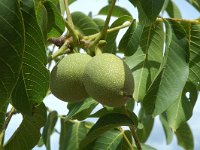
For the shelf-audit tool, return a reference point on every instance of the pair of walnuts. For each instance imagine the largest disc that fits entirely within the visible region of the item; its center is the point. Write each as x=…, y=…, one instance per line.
x=104, y=77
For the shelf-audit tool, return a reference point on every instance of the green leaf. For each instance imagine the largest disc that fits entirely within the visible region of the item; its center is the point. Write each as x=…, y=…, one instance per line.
x=99, y=22
x=33, y=83
x=42, y=18
x=3, y=111
x=55, y=25
x=167, y=129
x=49, y=128
x=173, y=10
x=171, y=80
x=11, y=47
x=117, y=11
x=181, y=110
x=110, y=47
x=72, y=133
x=84, y=23
x=149, y=10
x=104, y=124
x=145, y=62
x=109, y=140
x=124, y=143
x=81, y=110
x=185, y=137
x=195, y=4
x=147, y=121
x=28, y=133
x=193, y=36
x=131, y=39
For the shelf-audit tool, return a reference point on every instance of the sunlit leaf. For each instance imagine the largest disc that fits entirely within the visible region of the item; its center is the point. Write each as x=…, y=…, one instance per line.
x=185, y=137
x=104, y=124
x=193, y=36
x=33, y=83
x=81, y=110
x=72, y=133
x=28, y=133
x=181, y=110
x=173, y=10
x=117, y=11
x=84, y=23
x=171, y=80
x=145, y=62
x=49, y=128
x=149, y=10
x=11, y=47
x=168, y=131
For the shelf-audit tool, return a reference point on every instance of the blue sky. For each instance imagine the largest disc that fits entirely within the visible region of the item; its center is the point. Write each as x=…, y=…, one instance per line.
x=157, y=137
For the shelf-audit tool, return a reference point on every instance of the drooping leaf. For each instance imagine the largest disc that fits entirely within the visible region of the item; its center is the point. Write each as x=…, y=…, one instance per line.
x=81, y=110
x=49, y=128
x=131, y=39
x=171, y=80
x=110, y=47
x=173, y=10
x=72, y=133
x=28, y=133
x=84, y=23
x=147, y=121
x=117, y=11
x=104, y=124
x=145, y=62
x=185, y=137
x=181, y=110
x=168, y=131
x=55, y=22
x=193, y=36
x=149, y=10
x=195, y=4
x=33, y=83
x=11, y=47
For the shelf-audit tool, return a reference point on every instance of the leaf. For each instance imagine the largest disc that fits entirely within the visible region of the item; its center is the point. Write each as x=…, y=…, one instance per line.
x=28, y=133
x=181, y=110
x=33, y=83
x=84, y=24
x=104, y=124
x=195, y=4
x=167, y=129
x=55, y=25
x=173, y=10
x=147, y=121
x=81, y=110
x=11, y=47
x=171, y=80
x=110, y=47
x=109, y=140
x=185, y=137
x=117, y=11
x=124, y=143
x=3, y=111
x=72, y=133
x=99, y=22
x=131, y=39
x=193, y=36
x=145, y=62
x=149, y=10
x=49, y=128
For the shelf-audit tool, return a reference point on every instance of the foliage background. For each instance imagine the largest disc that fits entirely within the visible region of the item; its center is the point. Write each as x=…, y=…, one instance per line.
x=157, y=138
